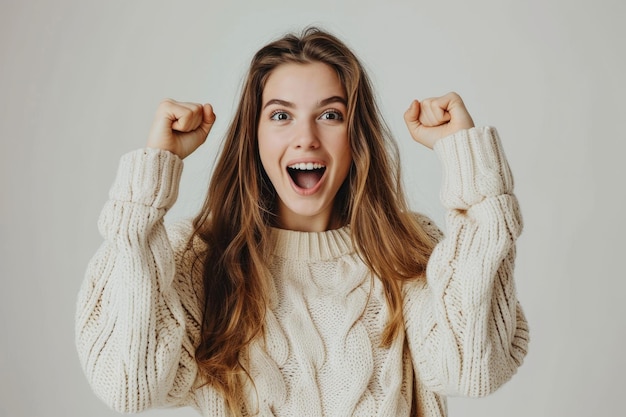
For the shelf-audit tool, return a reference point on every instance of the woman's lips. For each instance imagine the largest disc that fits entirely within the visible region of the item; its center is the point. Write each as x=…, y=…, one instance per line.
x=306, y=176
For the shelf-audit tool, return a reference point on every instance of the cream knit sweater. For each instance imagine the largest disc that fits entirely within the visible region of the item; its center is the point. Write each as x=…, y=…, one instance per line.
x=139, y=313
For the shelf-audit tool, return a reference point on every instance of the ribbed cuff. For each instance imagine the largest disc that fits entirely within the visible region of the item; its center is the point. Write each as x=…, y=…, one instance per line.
x=474, y=167
x=148, y=176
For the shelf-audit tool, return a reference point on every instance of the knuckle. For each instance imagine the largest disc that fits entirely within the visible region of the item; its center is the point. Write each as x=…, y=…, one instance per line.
x=165, y=105
x=167, y=102
x=455, y=95
x=185, y=112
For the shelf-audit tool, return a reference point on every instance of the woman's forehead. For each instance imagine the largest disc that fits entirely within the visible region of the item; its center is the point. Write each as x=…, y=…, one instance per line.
x=311, y=83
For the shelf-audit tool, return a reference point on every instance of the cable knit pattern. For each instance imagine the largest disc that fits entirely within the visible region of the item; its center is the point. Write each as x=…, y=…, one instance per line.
x=465, y=328
x=139, y=309
x=331, y=318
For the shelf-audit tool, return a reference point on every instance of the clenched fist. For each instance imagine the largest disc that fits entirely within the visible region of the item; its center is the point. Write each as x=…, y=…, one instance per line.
x=180, y=127
x=435, y=118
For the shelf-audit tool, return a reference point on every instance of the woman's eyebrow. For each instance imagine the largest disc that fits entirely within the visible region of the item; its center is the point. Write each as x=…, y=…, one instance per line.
x=283, y=103
x=333, y=99
x=288, y=104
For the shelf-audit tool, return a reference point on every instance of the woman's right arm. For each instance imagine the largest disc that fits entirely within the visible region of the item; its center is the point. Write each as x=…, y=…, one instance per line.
x=137, y=312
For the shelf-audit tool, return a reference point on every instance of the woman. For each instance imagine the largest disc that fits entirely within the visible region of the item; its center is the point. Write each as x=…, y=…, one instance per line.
x=305, y=286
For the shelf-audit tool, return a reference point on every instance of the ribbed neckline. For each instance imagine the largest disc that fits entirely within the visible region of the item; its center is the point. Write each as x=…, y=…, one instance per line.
x=313, y=246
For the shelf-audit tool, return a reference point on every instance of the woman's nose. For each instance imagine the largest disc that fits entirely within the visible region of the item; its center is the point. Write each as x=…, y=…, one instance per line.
x=306, y=135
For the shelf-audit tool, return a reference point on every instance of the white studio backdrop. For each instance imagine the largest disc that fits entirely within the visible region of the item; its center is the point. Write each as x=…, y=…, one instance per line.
x=80, y=80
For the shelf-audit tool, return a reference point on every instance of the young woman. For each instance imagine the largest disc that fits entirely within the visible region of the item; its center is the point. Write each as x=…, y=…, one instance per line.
x=305, y=287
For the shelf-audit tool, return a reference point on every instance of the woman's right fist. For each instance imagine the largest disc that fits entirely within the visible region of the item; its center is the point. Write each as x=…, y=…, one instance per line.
x=180, y=127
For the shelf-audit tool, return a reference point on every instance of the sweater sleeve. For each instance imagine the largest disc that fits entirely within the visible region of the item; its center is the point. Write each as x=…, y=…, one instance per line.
x=465, y=328
x=135, y=320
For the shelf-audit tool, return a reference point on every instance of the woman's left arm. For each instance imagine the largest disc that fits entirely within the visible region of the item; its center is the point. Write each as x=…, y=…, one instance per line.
x=465, y=328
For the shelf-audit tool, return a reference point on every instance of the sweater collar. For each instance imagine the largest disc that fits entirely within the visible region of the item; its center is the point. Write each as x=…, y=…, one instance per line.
x=312, y=246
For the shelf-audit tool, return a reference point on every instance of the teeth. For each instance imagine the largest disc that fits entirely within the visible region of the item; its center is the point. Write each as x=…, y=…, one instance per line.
x=308, y=166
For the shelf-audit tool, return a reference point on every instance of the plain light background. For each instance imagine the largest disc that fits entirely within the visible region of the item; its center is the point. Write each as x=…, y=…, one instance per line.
x=80, y=80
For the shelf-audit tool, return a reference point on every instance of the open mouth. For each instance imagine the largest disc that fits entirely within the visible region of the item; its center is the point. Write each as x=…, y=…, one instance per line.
x=306, y=175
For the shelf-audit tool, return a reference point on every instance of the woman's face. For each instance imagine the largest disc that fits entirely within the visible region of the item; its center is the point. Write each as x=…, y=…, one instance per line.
x=303, y=142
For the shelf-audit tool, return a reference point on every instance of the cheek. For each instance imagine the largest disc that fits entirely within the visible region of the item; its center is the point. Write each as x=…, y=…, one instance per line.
x=268, y=156
x=263, y=145
x=343, y=151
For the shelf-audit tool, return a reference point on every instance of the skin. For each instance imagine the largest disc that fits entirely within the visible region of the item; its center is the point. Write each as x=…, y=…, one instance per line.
x=301, y=121
x=435, y=118
x=180, y=127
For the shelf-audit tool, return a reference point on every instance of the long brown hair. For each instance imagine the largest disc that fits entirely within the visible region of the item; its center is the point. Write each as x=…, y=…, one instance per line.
x=239, y=210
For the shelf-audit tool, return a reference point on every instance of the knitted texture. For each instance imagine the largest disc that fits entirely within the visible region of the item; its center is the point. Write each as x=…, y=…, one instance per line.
x=140, y=307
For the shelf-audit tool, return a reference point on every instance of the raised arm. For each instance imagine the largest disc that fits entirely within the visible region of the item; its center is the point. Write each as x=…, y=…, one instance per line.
x=465, y=328
x=137, y=320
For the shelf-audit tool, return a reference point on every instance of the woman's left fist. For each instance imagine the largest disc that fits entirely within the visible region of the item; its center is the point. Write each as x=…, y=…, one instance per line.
x=435, y=118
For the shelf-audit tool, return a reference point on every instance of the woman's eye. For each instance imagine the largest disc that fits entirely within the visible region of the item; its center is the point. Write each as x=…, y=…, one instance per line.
x=279, y=115
x=331, y=115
